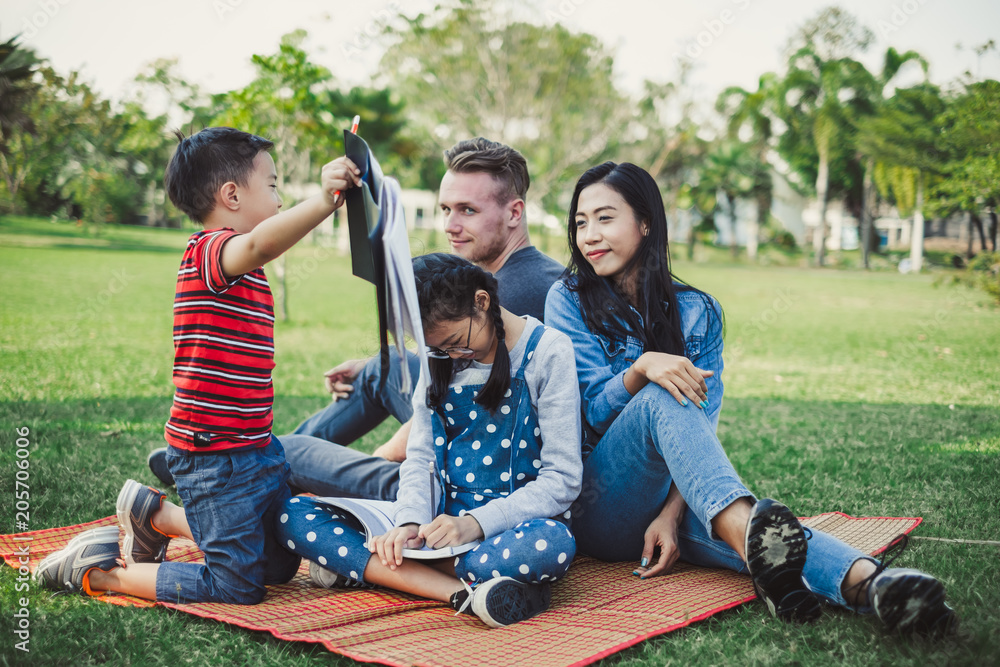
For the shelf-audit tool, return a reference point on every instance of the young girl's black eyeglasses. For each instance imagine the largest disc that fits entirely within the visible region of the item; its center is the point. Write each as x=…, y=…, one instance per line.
x=438, y=353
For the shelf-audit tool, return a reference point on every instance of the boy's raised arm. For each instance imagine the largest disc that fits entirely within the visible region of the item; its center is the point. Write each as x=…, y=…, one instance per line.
x=276, y=234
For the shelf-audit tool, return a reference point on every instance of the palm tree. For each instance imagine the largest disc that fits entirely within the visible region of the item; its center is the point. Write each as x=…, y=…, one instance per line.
x=903, y=138
x=818, y=100
x=891, y=64
x=731, y=168
x=17, y=69
x=751, y=112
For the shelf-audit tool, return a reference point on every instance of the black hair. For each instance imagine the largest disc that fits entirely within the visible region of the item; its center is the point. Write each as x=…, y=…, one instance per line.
x=604, y=304
x=205, y=161
x=446, y=290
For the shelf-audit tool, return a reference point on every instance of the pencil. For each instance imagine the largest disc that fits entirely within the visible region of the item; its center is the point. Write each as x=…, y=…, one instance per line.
x=354, y=130
x=430, y=469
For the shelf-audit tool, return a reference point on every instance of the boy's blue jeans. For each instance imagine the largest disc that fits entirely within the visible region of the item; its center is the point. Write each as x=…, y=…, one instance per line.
x=231, y=501
x=652, y=443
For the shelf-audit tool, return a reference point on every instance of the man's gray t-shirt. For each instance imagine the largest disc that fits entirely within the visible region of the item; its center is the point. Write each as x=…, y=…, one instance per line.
x=524, y=281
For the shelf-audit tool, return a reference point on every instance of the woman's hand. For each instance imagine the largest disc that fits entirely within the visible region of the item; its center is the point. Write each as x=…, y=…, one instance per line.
x=676, y=374
x=662, y=533
x=449, y=531
x=389, y=547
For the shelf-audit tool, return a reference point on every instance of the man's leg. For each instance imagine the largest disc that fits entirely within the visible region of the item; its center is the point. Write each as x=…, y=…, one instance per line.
x=348, y=419
x=328, y=469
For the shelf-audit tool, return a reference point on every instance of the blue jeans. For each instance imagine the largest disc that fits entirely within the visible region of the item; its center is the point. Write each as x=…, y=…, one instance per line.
x=322, y=466
x=367, y=406
x=532, y=552
x=652, y=443
x=231, y=501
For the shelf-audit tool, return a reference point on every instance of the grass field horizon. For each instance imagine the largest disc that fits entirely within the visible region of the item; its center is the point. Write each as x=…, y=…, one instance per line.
x=872, y=393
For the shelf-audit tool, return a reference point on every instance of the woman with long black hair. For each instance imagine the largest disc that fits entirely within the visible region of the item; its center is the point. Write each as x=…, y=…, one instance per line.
x=649, y=357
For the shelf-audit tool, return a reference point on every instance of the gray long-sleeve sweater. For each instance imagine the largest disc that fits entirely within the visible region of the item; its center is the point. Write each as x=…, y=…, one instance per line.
x=555, y=396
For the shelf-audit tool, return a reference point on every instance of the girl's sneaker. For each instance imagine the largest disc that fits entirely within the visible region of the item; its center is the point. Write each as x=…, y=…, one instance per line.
x=776, y=555
x=68, y=569
x=325, y=578
x=136, y=506
x=502, y=601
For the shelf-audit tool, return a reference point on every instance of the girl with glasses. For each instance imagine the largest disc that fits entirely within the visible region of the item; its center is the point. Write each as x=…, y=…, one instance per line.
x=497, y=425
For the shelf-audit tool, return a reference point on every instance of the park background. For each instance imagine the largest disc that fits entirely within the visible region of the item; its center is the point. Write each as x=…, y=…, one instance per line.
x=861, y=363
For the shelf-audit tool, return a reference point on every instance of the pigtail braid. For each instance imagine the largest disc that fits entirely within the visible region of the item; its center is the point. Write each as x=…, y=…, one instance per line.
x=446, y=288
x=499, y=381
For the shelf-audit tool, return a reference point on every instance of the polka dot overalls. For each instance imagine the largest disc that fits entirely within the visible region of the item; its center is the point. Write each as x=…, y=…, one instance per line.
x=480, y=456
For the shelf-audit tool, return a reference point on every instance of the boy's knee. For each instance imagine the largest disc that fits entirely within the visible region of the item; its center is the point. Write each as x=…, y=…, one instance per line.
x=231, y=595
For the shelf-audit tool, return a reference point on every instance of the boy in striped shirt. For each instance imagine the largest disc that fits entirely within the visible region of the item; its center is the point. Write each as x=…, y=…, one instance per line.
x=230, y=470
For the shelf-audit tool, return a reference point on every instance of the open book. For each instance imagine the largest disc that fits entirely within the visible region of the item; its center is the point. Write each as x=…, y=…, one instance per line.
x=376, y=518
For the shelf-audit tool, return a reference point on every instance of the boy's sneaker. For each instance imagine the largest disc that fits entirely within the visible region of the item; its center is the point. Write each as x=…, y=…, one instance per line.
x=157, y=462
x=911, y=602
x=325, y=578
x=502, y=601
x=776, y=554
x=136, y=506
x=68, y=569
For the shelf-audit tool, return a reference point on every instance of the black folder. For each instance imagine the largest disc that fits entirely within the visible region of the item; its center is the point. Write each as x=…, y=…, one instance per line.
x=365, y=225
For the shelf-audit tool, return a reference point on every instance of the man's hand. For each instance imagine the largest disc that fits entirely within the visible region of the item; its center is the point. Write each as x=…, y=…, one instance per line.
x=449, y=531
x=339, y=379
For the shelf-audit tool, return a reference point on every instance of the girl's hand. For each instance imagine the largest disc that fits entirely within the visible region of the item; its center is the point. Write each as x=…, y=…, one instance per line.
x=676, y=374
x=449, y=531
x=389, y=547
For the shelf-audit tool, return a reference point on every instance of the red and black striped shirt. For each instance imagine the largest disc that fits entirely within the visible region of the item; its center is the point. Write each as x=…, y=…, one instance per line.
x=223, y=352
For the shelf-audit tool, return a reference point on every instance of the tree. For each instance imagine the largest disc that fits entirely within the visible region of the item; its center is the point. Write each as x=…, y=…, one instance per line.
x=17, y=88
x=751, y=114
x=891, y=65
x=732, y=168
x=970, y=142
x=465, y=70
x=819, y=100
x=902, y=136
x=666, y=142
x=832, y=34
x=293, y=102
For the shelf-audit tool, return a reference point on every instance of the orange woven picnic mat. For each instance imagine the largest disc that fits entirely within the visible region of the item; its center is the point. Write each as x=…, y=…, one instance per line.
x=597, y=610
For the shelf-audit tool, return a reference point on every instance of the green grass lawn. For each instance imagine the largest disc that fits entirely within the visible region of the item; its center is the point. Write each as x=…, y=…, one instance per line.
x=870, y=393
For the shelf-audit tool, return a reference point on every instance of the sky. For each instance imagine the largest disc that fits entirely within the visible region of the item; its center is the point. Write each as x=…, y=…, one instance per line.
x=731, y=42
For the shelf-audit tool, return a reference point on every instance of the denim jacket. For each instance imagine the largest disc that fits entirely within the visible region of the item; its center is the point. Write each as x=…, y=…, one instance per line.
x=601, y=362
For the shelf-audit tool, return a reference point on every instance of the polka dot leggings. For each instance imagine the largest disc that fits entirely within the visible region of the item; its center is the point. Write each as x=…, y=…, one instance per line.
x=325, y=535
x=532, y=552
